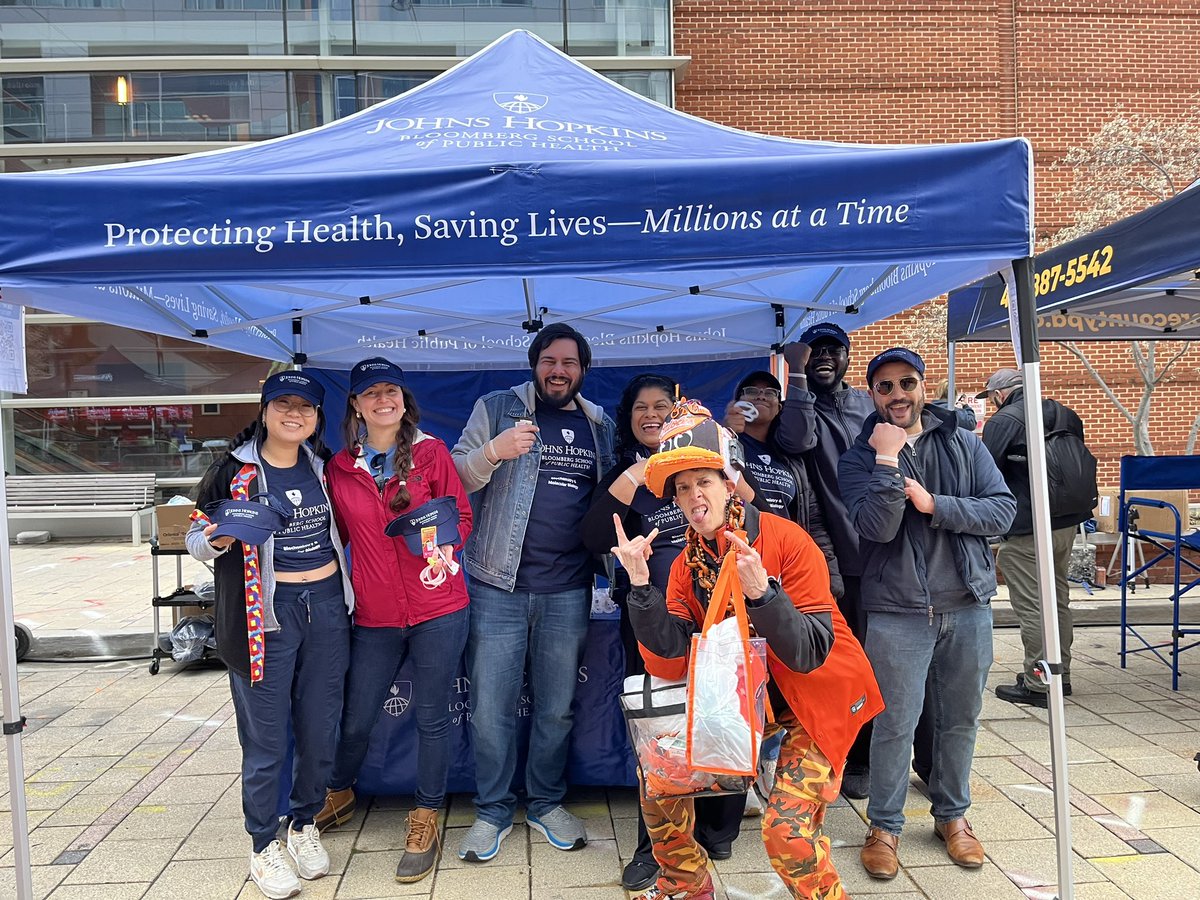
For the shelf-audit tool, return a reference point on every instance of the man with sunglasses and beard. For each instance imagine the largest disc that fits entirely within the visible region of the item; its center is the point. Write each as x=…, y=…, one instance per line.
x=924, y=497
x=530, y=457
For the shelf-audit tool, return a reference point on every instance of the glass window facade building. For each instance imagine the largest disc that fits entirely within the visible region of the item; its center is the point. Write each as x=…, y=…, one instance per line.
x=90, y=82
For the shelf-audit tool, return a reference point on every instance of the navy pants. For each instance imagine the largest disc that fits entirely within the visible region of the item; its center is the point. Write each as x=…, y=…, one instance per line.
x=303, y=679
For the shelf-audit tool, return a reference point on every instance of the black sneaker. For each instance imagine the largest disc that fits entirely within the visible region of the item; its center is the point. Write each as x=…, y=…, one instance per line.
x=1019, y=693
x=720, y=850
x=856, y=782
x=639, y=874
x=1066, y=684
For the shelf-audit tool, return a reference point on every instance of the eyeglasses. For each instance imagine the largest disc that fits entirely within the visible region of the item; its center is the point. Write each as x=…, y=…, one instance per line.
x=303, y=407
x=833, y=351
x=907, y=383
x=757, y=393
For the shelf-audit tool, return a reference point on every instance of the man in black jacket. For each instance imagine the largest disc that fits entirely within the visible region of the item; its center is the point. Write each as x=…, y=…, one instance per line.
x=1005, y=437
x=821, y=417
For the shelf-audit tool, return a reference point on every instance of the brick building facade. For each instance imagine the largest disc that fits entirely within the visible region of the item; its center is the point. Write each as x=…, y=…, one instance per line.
x=872, y=71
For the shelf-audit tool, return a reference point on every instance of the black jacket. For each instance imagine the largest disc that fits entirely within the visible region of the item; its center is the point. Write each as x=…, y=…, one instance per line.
x=820, y=428
x=970, y=500
x=1005, y=437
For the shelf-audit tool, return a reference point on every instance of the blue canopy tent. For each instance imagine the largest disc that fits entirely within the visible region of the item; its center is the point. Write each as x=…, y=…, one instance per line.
x=519, y=188
x=1137, y=279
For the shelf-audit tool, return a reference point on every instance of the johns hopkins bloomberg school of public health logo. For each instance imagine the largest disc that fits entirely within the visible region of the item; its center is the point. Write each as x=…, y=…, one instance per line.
x=518, y=122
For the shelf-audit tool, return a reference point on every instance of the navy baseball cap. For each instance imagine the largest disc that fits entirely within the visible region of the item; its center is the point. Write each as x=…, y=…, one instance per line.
x=895, y=354
x=250, y=521
x=825, y=330
x=293, y=383
x=375, y=370
x=439, y=514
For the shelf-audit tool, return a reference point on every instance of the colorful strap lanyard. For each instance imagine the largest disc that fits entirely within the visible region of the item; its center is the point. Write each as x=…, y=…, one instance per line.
x=239, y=490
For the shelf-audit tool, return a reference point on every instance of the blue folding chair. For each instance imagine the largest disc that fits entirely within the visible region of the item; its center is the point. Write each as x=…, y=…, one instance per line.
x=1158, y=473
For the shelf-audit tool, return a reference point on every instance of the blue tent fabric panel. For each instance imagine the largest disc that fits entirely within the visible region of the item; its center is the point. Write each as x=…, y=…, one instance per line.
x=1134, y=280
x=445, y=222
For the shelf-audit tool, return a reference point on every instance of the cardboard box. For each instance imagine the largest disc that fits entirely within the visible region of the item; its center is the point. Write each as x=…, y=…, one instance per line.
x=1150, y=518
x=172, y=521
x=1106, y=511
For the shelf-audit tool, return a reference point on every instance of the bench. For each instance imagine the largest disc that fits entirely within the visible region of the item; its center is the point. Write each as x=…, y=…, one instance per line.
x=82, y=496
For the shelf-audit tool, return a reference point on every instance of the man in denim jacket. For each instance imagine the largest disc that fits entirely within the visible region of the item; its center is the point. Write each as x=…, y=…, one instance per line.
x=530, y=457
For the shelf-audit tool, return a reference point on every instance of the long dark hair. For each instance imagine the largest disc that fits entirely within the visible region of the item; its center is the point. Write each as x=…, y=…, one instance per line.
x=353, y=434
x=627, y=444
x=256, y=432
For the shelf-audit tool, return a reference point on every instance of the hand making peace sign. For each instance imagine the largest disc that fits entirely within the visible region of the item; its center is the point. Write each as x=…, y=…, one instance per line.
x=633, y=553
x=750, y=568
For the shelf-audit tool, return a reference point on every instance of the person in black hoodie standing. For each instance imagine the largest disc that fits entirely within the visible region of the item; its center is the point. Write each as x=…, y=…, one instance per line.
x=821, y=417
x=1004, y=436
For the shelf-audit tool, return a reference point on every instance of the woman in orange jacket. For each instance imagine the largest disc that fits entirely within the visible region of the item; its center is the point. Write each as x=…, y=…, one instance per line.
x=821, y=685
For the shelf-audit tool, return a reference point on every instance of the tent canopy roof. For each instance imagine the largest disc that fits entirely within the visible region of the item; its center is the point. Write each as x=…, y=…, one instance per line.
x=1137, y=279
x=517, y=187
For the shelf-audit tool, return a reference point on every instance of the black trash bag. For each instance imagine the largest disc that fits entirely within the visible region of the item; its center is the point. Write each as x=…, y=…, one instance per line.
x=190, y=637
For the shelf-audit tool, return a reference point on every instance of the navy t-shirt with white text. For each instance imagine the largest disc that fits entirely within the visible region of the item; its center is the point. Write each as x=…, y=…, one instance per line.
x=774, y=477
x=305, y=542
x=554, y=557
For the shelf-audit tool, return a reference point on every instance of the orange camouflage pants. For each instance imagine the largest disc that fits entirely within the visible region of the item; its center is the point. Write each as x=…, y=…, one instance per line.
x=792, y=827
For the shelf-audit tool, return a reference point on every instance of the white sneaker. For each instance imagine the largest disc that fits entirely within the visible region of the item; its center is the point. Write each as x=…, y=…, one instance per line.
x=271, y=873
x=305, y=847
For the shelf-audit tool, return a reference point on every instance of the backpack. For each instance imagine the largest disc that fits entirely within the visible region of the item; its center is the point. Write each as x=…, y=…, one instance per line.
x=1070, y=473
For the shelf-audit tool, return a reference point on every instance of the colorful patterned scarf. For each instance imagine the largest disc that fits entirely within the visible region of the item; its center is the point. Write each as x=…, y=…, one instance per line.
x=239, y=490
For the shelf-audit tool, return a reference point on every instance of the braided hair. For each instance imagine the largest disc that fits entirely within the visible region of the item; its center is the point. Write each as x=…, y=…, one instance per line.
x=406, y=434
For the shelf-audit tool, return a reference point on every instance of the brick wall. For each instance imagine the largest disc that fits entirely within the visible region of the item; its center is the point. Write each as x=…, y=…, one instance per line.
x=921, y=72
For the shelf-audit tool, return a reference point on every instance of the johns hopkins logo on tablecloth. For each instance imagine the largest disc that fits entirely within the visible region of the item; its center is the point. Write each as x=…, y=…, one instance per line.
x=398, y=698
x=520, y=102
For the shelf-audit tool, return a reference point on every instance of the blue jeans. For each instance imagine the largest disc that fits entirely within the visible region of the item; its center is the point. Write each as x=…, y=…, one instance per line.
x=505, y=628
x=303, y=679
x=955, y=652
x=376, y=655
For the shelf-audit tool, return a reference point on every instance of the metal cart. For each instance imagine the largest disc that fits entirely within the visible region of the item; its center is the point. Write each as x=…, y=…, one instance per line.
x=181, y=596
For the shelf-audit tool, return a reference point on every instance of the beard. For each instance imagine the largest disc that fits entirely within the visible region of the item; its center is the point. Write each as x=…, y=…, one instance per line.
x=560, y=398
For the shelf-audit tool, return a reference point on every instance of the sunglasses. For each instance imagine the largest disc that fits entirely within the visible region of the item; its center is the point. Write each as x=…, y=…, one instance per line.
x=833, y=351
x=757, y=393
x=907, y=383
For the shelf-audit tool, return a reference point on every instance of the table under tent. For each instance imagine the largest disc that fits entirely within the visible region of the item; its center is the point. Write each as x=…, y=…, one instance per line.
x=444, y=227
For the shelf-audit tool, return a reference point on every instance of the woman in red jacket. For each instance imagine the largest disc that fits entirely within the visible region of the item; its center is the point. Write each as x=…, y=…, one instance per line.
x=389, y=467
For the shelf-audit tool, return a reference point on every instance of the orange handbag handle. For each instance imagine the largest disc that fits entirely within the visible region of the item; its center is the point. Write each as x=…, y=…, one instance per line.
x=728, y=589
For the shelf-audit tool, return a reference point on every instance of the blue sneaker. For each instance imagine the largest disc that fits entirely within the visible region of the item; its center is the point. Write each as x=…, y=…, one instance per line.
x=563, y=830
x=482, y=841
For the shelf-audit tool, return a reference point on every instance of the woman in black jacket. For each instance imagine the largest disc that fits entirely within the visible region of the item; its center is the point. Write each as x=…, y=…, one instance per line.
x=645, y=404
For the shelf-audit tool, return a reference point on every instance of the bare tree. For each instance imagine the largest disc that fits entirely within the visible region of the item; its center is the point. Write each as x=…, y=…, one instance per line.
x=1132, y=162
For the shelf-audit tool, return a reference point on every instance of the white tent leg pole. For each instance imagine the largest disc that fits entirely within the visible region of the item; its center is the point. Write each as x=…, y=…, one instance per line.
x=950, y=392
x=1043, y=545
x=13, y=722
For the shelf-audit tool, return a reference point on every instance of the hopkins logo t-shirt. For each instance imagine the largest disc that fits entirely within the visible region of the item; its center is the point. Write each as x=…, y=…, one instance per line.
x=305, y=542
x=774, y=478
x=553, y=557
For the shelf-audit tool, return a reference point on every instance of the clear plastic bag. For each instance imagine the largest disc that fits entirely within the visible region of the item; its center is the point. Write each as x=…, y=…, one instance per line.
x=190, y=638
x=727, y=683
x=726, y=700
x=656, y=714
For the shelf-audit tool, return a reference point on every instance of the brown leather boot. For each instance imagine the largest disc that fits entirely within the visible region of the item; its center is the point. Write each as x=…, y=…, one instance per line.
x=338, y=809
x=961, y=844
x=879, y=854
x=422, y=847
